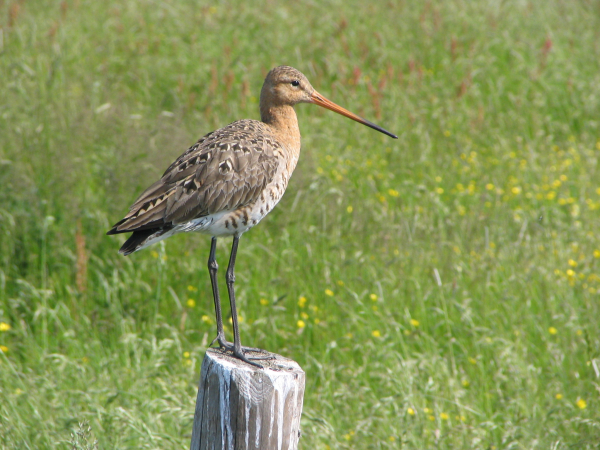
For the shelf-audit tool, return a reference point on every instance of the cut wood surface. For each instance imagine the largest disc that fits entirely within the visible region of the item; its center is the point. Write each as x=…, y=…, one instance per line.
x=241, y=407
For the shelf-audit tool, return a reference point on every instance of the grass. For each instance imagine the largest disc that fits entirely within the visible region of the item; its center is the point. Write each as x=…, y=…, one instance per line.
x=440, y=291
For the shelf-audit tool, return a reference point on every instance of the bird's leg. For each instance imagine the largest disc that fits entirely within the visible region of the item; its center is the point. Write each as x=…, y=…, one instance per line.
x=238, y=350
x=212, y=270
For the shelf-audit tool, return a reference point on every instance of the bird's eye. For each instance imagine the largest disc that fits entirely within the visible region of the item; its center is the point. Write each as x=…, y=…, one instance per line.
x=295, y=83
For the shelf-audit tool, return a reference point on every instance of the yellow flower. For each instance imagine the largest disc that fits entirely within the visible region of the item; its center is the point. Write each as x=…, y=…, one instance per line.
x=572, y=263
x=410, y=411
x=192, y=288
x=426, y=410
x=465, y=383
x=264, y=301
x=414, y=322
x=304, y=315
x=206, y=319
x=317, y=321
x=186, y=354
x=472, y=360
x=596, y=253
x=349, y=209
x=516, y=190
x=406, y=332
x=392, y=439
x=85, y=360
x=302, y=302
x=489, y=187
x=191, y=303
x=444, y=416
x=373, y=297
x=393, y=192
x=430, y=417
x=579, y=332
x=552, y=330
x=376, y=333
x=439, y=190
x=340, y=282
x=558, y=396
x=4, y=326
x=447, y=133
x=581, y=403
x=154, y=254
x=300, y=324
x=329, y=292
x=3, y=349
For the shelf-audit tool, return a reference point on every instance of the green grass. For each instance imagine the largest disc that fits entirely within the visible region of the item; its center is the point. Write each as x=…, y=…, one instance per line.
x=451, y=277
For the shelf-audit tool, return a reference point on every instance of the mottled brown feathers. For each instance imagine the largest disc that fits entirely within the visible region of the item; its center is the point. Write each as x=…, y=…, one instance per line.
x=225, y=170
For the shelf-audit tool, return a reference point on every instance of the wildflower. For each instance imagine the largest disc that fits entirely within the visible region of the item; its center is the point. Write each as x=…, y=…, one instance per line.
x=579, y=332
x=444, y=416
x=447, y=133
x=472, y=360
x=349, y=209
x=3, y=349
x=264, y=301
x=410, y=411
x=154, y=254
x=300, y=324
x=206, y=319
x=392, y=439
x=414, y=322
x=489, y=187
x=85, y=360
x=340, y=282
x=186, y=354
x=4, y=326
x=438, y=179
x=439, y=190
x=373, y=297
x=393, y=192
x=376, y=333
x=581, y=403
x=329, y=292
x=304, y=315
x=465, y=383
x=572, y=263
x=192, y=288
x=317, y=321
x=191, y=303
x=516, y=190
x=558, y=396
x=552, y=330
x=302, y=302
x=407, y=332
x=426, y=410
x=430, y=417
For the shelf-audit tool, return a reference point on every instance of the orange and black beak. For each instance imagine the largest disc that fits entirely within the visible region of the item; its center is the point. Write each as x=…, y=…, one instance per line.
x=318, y=99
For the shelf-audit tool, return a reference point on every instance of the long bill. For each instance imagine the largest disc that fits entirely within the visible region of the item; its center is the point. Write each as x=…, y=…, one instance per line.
x=318, y=99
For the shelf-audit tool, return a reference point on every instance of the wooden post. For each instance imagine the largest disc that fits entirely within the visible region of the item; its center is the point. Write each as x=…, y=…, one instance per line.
x=242, y=407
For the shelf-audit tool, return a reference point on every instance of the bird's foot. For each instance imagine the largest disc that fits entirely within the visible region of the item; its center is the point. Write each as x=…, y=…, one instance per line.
x=225, y=344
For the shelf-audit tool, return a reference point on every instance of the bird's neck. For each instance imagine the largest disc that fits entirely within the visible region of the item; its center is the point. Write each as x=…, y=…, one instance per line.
x=284, y=123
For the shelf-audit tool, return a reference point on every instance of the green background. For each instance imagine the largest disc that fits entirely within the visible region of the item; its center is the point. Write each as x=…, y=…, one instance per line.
x=440, y=290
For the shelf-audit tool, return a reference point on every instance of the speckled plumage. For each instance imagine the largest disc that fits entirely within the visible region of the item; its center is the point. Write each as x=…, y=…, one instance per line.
x=222, y=185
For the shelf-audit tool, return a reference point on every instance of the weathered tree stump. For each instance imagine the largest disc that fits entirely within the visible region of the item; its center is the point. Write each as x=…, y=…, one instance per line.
x=242, y=407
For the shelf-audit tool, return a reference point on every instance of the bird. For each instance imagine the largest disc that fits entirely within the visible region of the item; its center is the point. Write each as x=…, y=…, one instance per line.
x=227, y=182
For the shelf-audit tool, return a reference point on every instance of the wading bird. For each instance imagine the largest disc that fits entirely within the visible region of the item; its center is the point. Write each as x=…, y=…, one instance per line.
x=228, y=181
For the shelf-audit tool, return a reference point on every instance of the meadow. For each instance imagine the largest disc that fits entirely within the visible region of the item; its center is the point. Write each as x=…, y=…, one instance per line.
x=440, y=290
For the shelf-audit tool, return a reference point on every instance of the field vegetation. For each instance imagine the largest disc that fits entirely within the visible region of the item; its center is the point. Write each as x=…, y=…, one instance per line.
x=441, y=290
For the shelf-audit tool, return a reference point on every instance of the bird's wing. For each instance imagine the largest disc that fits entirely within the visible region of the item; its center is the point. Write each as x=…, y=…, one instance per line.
x=223, y=171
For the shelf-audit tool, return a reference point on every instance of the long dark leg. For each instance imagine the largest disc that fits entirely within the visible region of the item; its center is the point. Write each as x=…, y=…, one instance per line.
x=212, y=270
x=230, y=278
